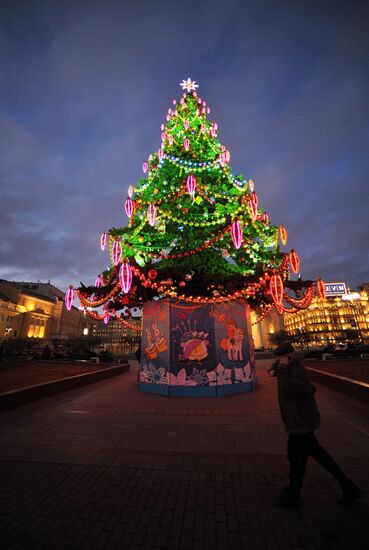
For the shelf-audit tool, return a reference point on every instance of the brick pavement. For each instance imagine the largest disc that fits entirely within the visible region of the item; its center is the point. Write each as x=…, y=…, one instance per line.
x=108, y=467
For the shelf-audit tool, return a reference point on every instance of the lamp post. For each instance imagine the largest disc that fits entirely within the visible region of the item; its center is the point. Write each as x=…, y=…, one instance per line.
x=351, y=297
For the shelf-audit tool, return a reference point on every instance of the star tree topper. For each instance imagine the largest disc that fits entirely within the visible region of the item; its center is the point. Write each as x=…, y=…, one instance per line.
x=189, y=85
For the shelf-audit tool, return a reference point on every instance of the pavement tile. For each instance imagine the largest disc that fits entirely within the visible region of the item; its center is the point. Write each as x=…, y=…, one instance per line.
x=107, y=467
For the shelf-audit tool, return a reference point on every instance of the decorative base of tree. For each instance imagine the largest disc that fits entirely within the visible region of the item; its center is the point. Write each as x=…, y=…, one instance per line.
x=195, y=234
x=204, y=350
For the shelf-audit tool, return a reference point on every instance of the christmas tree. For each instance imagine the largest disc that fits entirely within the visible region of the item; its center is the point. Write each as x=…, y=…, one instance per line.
x=195, y=230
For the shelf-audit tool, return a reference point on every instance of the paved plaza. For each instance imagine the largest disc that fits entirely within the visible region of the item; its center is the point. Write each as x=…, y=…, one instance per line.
x=108, y=467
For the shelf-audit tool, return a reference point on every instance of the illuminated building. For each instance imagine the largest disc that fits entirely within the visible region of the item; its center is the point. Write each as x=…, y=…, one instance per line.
x=343, y=317
x=37, y=310
x=261, y=331
x=117, y=337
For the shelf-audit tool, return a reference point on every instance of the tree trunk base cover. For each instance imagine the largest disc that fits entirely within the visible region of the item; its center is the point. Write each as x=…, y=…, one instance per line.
x=196, y=350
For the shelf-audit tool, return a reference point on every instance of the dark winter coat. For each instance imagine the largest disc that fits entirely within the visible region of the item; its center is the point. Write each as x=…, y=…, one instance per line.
x=296, y=398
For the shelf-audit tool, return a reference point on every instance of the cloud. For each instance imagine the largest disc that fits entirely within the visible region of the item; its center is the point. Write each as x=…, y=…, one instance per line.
x=86, y=86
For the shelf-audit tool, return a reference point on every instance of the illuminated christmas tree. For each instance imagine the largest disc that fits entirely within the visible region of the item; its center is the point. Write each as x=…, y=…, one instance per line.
x=194, y=230
x=195, y=233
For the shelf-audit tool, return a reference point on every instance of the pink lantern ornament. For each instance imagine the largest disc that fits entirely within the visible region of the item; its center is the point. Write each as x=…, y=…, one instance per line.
x=236, y=233
x=129, y=207
x=130, y=191
x=106, y=317
x=116, y=252
x=186, y=144
x=151, y=214
x=103, y=240
x=99, y=281
x=145, y=167
x=69, y=297
x=186, y=124
x=125, y=277
x=254, y=199
x=191, y=184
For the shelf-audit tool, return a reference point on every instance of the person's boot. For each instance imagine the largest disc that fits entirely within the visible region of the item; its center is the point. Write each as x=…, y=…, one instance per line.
x=350, y=491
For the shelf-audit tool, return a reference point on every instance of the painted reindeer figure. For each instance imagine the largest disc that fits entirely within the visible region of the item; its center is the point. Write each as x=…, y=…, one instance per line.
x=235, y=346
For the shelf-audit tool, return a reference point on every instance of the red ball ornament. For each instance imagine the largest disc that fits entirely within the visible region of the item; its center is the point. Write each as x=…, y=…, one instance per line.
x=188, y=277
x=152, y=274
x=147, y=284
x=182, y=284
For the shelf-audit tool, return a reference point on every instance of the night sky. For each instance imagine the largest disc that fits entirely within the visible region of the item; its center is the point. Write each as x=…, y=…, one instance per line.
x=85, y=85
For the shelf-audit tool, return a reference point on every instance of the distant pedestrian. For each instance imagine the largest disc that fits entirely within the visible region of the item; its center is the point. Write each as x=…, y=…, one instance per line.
x=301, y=417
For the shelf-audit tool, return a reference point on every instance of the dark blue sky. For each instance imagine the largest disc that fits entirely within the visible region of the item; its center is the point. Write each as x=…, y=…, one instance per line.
x=85, y=85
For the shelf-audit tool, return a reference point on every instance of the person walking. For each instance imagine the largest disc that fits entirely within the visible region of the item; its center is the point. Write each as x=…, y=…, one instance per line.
x=301, y=418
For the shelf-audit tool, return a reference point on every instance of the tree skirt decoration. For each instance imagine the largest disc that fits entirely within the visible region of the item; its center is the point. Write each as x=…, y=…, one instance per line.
x=202, y=350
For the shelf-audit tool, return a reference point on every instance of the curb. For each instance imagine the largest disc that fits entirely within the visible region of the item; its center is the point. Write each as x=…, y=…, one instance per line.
x=17, y=398
x=354, y=388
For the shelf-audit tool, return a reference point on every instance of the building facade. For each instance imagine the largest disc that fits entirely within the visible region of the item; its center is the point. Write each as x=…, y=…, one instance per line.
x=340, y=319
x=261, y=332
x=37, y=310
x=118, y=338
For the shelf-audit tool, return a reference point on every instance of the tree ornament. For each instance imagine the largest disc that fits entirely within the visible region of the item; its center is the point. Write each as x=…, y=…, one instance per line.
x=254, y=199
x=188, y=277
x=163, y=137
x=236, y=234
x=160, y=154
x=103, y=240
x=203, y=129
x=186, y=144
x=191, y=184
x=276, y=289
x=189, y=85
x=151, y=214
x=152, y=274
x=186, y=124
x=213, y=131
x=145, y=167
x=283, y=235
x=294, y=261
x=251, y=186
x=130, y=191
x=128, y=205
x=147, y=284
x=321, y=289
x=106, y=317
x=98, y=281
x=116, y=251
x=69, y=297
x=170, y=139
x=181, y=284
x=125, y=277
x=264, y=217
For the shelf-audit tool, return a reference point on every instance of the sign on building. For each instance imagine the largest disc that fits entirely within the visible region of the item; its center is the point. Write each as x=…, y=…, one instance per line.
x=335, y=289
